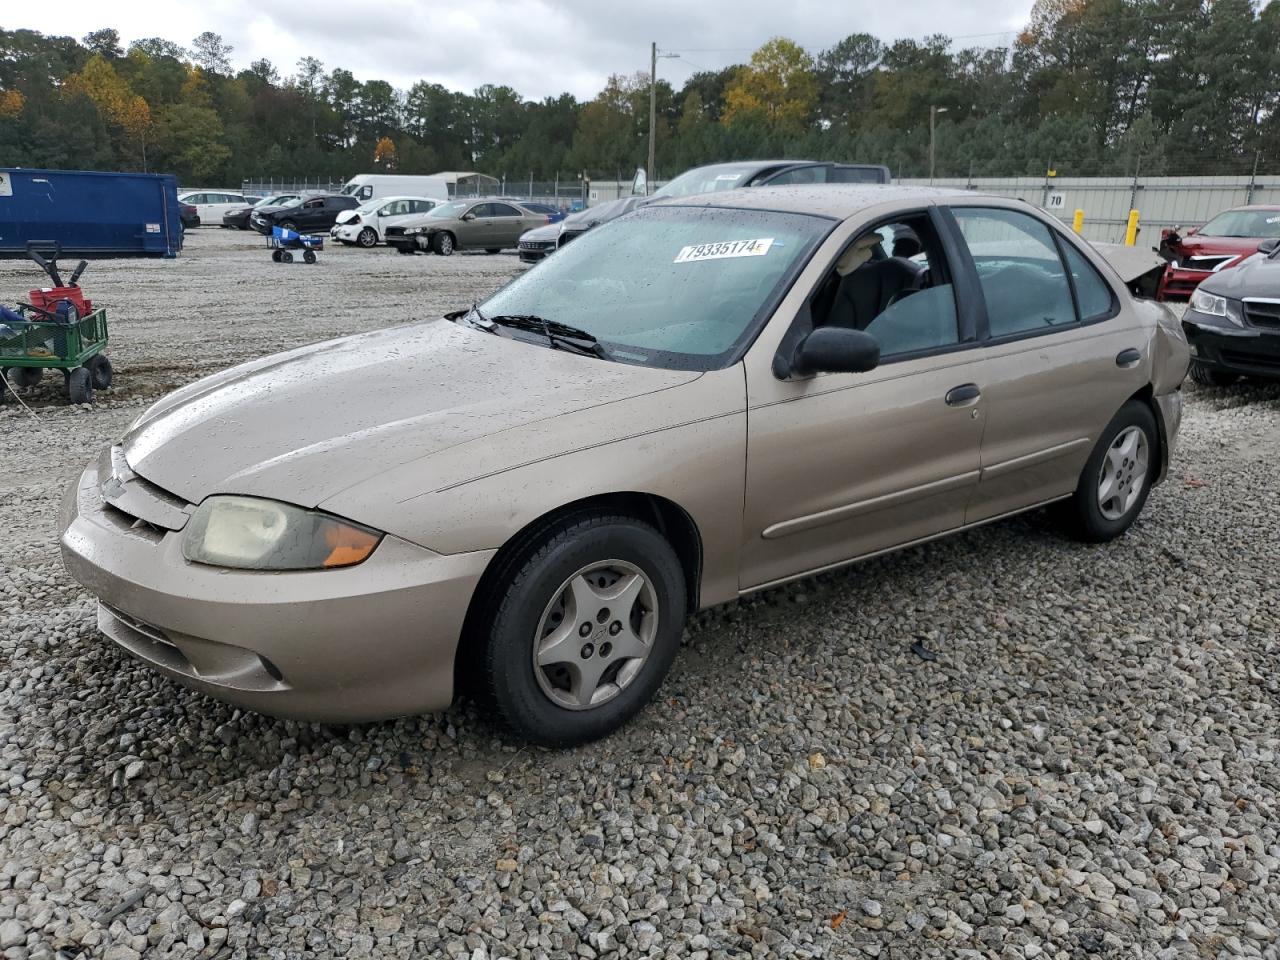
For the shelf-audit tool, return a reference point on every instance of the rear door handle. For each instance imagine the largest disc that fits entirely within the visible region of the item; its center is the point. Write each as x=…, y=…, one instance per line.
x=963, y=395
x=1127, y=358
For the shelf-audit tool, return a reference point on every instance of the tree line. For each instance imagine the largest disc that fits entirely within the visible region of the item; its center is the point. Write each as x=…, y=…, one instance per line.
x=1088, y=87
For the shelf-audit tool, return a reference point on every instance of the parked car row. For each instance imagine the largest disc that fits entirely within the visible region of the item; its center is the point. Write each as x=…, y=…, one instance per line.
x=489, y=224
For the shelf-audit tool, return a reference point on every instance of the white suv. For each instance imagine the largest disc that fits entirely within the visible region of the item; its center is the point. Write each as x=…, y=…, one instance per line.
x=367, y=224
x=211, y=205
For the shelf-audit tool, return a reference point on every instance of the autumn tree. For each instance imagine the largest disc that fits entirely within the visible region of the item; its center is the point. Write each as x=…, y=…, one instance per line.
x=778, y=86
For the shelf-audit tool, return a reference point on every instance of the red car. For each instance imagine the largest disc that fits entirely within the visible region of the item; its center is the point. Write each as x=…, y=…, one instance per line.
x=1219, y=245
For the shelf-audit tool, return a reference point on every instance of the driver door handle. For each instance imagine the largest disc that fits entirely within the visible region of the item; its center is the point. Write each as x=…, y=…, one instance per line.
x=1127, y=358
x=963, y=395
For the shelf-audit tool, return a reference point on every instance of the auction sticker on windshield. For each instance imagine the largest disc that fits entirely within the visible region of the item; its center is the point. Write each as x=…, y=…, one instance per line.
x=723, y=251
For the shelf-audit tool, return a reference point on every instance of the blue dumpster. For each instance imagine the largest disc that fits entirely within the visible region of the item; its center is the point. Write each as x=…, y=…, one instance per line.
x=88, y=214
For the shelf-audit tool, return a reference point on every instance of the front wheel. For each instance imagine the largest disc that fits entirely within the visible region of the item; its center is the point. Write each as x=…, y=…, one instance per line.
x=1207, y=376
x=286, y=256
x=79, y=386
x=99, y=371
x=309, y=256
x=367, y=238
x=442, y=244
x=586, y=621
x=1117, y=477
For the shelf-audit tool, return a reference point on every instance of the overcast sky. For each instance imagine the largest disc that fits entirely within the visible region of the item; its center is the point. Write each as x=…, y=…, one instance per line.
x=539, y=47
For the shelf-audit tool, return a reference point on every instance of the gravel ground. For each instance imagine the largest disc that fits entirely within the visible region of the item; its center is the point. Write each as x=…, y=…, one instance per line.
x=1089, y=767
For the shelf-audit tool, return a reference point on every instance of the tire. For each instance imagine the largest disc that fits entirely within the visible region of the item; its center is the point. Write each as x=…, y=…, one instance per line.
x=557, y=704
x=24, y=376
x=368, y=237
x=1206, y=376
x=492, y=250
x=99, y=371
x=277, y=255
x=443, y=244
x=286, y=256
x=309, y=256
x=1087, y=516
x=288, y=225
x=79, y=386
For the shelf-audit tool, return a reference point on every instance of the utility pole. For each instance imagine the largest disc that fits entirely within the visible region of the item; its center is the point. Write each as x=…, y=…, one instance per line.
x=653, y=113
x=933, y=114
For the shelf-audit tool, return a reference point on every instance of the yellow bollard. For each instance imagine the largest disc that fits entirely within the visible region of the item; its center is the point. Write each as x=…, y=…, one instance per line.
x=1077, y=224
x=1131, y=231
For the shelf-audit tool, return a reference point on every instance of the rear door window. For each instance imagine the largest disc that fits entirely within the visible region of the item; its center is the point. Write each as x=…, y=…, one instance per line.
x=503, y=210
x=1093, y=294
x=1023, y=279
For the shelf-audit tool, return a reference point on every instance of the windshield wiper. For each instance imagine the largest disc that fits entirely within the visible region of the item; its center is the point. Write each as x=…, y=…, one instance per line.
x=559, y=335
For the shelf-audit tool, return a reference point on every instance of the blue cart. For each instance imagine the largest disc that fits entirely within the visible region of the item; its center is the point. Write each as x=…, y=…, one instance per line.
x=283, y=242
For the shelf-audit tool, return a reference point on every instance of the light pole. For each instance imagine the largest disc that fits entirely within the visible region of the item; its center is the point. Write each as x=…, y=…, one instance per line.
x=653, y=110
x=933, y=115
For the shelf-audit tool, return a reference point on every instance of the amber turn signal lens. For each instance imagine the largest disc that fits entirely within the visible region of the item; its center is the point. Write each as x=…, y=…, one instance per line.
x=347, y=545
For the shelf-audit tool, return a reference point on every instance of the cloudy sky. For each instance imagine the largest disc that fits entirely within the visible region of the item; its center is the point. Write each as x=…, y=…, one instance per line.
x=540, y=47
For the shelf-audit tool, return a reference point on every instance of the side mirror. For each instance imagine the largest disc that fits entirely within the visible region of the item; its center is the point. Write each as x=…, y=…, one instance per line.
x=468, y=216
x=835, y=350
x=1269, y=246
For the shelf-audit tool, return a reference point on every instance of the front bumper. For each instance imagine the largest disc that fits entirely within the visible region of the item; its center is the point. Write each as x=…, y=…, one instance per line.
x=346, y=231
x=368, y=642
x=1248, y=351
x=410, y=243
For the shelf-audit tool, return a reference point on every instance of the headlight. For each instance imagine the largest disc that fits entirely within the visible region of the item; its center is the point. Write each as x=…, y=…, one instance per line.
x=250, y=533
x=412, y=231
x=1215, y=306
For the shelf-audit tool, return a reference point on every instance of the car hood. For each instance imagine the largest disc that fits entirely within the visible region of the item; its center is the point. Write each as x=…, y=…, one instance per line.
x=1200, y=245
x=346, y=215
x=547, y=232
x=1257, y=276
x=603, y=212
x=304, y=425
x=272, y=208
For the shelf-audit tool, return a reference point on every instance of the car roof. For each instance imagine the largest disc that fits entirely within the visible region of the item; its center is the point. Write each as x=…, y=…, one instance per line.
x=1252, y=206
x=828, y=200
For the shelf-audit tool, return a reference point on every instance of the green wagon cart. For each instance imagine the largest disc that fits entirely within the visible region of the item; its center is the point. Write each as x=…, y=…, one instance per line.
x=58, y=330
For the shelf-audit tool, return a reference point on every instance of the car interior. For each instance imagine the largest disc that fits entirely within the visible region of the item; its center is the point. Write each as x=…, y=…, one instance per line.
x=892, y=282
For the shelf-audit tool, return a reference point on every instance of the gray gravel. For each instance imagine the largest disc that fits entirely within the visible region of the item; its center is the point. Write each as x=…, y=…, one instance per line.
x=1090, y=766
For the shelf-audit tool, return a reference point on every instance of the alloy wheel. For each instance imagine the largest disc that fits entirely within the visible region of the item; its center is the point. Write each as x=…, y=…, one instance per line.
x=1124, y=473
x=595, y=635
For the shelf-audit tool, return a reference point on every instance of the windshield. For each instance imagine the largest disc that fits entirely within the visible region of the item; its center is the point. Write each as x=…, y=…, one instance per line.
x=1243, y=223
x=720, y=176
x=451, y=209
x=678, y=287
x=276, y=201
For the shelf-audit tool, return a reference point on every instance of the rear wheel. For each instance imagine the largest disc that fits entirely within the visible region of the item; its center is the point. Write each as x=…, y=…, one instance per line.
x=79, y=386
x=443, y=244
x=286, y=256
x=277, y=255
x=24, y=376
x=1207, y=376
x=1117, y=478
x=99, y=371
x=586, y=620
x=368, y=237
x=309, y=256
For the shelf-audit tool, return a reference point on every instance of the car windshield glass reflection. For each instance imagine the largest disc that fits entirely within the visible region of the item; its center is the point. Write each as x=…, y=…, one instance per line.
x=706, y=180
x=1244, y=223
x=451, y=209
x=679, y=287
